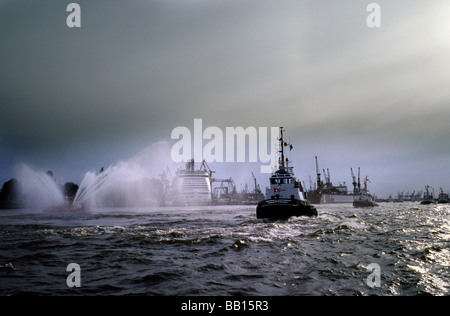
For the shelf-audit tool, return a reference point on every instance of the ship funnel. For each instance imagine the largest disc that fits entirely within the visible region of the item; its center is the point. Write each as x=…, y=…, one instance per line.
x=190, y=164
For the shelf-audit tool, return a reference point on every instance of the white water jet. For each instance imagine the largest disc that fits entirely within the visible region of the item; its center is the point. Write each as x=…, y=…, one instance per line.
x=131, y=183
x=38, y=189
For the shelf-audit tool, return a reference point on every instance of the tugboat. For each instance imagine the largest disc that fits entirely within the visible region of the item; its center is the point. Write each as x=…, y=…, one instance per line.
x=427, y=197
x=284, y=198
x=363, y=197
x=443, y=197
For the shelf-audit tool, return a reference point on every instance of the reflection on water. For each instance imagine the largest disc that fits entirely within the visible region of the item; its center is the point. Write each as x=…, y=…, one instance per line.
x=225, y=250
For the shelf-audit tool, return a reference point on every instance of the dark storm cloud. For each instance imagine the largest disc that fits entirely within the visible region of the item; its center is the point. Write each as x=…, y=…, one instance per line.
x=137, y=69
x=59, y=79
x=131, y=65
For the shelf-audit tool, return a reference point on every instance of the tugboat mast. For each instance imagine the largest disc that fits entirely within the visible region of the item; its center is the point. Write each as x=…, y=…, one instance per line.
x=281, y=162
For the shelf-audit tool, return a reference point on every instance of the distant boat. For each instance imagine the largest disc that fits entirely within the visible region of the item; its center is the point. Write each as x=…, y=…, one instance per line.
x=284, y=198
x=427, y=197
x=363, y=198
x=443, y=197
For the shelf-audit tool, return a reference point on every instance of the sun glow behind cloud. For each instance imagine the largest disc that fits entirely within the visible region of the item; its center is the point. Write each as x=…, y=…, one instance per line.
x=396, y=74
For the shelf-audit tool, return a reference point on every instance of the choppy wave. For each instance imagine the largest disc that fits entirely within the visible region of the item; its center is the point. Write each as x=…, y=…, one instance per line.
x=227, y=251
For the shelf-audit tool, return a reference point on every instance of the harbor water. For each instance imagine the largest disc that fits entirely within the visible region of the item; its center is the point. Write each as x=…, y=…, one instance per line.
x=225, y=250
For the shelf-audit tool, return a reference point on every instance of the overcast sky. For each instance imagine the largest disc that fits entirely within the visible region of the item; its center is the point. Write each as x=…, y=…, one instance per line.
x=76, y=99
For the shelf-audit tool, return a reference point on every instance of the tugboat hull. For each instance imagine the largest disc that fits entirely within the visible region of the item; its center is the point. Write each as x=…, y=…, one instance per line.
x=274, y=209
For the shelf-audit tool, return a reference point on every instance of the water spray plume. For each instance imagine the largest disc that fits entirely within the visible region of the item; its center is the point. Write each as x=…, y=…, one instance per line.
x=131, y=183
x=39, y=189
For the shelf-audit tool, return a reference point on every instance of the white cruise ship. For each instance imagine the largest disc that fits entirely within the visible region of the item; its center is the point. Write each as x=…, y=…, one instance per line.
x=195, y=185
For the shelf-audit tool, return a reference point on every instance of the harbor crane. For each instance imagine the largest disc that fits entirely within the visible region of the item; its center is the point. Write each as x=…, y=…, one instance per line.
x=164, y=178
x=355, y=190
x=359, y=179
x=257, y=188
x=327, y=177
x=319, y=182
x=356, y=185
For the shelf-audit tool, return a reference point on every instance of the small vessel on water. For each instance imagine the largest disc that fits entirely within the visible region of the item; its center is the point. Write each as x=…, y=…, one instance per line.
x=443, y=197
x=284, y=198
x=427, y=196
x=363, y=198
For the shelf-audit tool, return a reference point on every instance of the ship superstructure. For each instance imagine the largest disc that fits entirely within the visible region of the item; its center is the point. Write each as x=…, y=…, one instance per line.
x=443, y=197
x=195, y=185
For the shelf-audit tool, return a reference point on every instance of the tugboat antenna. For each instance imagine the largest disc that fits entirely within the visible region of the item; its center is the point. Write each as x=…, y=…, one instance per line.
x=282, y=163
